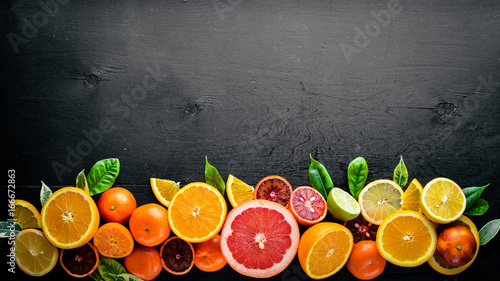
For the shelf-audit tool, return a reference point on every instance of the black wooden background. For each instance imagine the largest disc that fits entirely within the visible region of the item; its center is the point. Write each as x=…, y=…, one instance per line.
x=256, y=86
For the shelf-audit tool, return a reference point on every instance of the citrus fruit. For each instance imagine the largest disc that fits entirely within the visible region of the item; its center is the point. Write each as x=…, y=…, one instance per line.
x=113, y=240
x=379, y=199
x=35, y=255
x=361, y=229
x=197, y=212
x=456, y=245
x=324, y=249
x=164, y=190
x=307, y=205
x=70, y=218
x=149, y=224
x=116, y=205
x=274, y=188
x=208, y=255
x=238, y=191
x=26, y=214
x=81, y=261
x=365, y=261
x=341, y=205
x=443, y=201
x=144, y=262
x=406, y=238
x=438, y=264
x=260, y=238
x=177, y=255
x=411, y=196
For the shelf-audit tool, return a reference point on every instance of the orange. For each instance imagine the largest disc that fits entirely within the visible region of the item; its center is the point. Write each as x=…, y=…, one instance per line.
x=443, y=201
x=116, y=205
x=237, y=191
x=144, y=262
x=197, y=212
x=114, y=240
x=307, y=205
x=26, y=214
x=406, y=238
x=208, y=255
x=177, y=255
x=324, y=249
x=365, y=261
x=81, y=261
x=456, y=245
x=69, y=218
x=34, y=254
x=149, y=224
x=164, y=190
x=275, y=189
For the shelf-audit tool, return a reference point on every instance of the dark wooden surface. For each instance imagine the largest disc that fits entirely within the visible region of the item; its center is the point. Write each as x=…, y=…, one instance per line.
x=256, y=86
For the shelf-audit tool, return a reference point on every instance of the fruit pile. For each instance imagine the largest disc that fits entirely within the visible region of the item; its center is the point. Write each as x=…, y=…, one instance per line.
x=258, y=237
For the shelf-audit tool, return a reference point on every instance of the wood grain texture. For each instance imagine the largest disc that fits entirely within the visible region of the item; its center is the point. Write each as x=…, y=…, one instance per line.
x=256, y=86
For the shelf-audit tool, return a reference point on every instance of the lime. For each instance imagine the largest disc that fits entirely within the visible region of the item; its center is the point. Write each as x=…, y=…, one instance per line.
x=341, y=205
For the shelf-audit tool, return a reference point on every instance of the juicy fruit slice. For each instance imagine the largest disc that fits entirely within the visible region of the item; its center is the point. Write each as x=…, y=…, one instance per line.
x=164, y=190
x=81, y=261
x=411, y=196
x=26, y=214
x=177, y=255
x=456, y=245
x=324, y=249
x=307, y=205
x=443, y=201
x=342, y=206
x=379, y=199
x=70, y=218
x=406, y=238
x=35, y=255
x=365, y=261
x=197, y=212
x=114, y=240
x=361, y=229
x=209, y=256
x=260, y=238
x=438, y=264
x=144, y=262
x=238, y=192
x=275, y=189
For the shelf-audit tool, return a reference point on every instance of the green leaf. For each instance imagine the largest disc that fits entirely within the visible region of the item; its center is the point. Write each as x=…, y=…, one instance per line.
x=401, y=173
x=127, y=277
x=478, y=209
x=96, y=275
x=45, y=193
x=473, y=194
x=488, y=231
x=319, y=178
x=9, y=229
x=357, y=173
x=102, y=175
x=213, y=178
x=81, y=181
x=110, y=268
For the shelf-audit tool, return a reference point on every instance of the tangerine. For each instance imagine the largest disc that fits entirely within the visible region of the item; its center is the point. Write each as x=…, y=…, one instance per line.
x=456, y=245
x=208, y=255
x=116, y=205
x=144, y=262
x=149, y=224
x=113, y=240
x=365, y=261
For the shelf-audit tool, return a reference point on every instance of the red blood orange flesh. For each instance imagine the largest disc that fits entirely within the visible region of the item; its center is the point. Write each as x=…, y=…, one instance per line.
x=307, y=205
x=259, y=238
x=275, y=189
x=361, y=229
x=177, y=255
x=81, y=261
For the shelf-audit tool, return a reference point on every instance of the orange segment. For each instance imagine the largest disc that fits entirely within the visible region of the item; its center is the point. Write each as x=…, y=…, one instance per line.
x=197, y=212
x=164, y=190
x=69, y=218
x=35, y=255
x=443, y=201
x=238, y=192
x=26, y=214
x=411, y=196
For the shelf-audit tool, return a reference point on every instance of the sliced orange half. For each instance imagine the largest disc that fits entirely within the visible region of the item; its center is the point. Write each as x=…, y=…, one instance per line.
x=443, y=201
x=26, y=214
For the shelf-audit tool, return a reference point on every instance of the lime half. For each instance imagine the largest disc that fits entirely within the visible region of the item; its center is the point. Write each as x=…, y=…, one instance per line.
x=341, y=205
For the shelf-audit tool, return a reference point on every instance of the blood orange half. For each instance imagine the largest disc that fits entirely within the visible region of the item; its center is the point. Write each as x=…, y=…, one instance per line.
x=259, y=238
x=275, y=189
x=307, y=205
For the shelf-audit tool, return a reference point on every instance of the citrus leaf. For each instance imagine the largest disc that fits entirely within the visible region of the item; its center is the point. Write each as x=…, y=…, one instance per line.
x=9, y=229
x=96, y=275
x=45, y=193
x=102, y=175
x=478, y=209
x=488, y=231
x=81, y=181
x=473, y=194
x=127, y=277
x=401, y=173
x=110, y=268
x=357, y=173
x=319, y=178
x=213, y=178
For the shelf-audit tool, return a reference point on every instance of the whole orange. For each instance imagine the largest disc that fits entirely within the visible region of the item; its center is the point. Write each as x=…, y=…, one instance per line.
x=365, y=261
x=144, y=262
x=116, y=205
x=456, y=245
x=208, y=255
x=149, y=224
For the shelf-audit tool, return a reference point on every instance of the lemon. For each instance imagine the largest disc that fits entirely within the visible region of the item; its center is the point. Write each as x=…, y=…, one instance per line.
x=379, y=199
x=411, y=196
x=35, y=255
x=443, y=201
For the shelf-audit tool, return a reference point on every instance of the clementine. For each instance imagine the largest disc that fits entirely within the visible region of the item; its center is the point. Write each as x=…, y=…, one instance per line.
x=116, y=205
x=144, y=262
x=365, y=261
x=113, y=240
x=149, y=224
x=208, y=255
